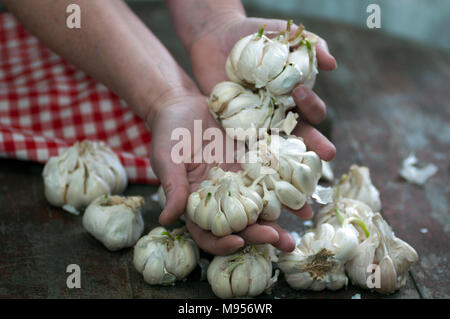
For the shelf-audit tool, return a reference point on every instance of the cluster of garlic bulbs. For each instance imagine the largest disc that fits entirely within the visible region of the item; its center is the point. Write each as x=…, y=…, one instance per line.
x=82, y=173
x=264, y=68
x=247, y=273
x=365, y=241
x=286, y=170
x=223, y=204
x=163, y=257
x=115, y=221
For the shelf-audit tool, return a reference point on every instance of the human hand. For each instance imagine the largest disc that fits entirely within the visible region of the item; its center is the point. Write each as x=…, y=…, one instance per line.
x=211, y=47
x=180, y=110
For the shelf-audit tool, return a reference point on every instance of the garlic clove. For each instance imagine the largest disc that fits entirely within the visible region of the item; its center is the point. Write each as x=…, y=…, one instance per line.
x=202, y=215
x=235, y=55
x=388, y=276
x=219, y=225
x=289, y=195
x=234, y=212
x=244, y=101
x=240, y=280
x=285, y=82
x=222, y=94
x=272, y=208
x=303, y=178
x=192, y=203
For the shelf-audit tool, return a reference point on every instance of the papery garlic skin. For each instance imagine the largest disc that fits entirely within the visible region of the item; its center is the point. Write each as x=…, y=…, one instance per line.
x=263, y=72
x=163, y=257
x=247, y=273
x=82, y=173
x=223, y=204
x=285, y=167
x=317, y=263
x=115, y=221
x=358, y=185
x=393, y=256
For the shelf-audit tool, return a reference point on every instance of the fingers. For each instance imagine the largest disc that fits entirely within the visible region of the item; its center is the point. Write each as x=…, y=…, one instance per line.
x=175, y=183
x=212, y=244
x=325, y=60
x=315, y=141
x=259, y=234
x=285, y=241
x=309, y=104
x=306, y=212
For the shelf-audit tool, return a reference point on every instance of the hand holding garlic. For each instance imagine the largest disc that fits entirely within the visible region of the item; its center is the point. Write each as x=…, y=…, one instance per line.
x=284, y=166
x=82, y=173
x=245, y=273
x=264, y=70
x=115, y=221
x=223, y=204
x=164, y=257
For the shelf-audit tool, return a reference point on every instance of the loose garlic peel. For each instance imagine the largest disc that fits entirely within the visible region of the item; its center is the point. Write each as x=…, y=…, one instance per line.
x=82, y=173
x=263, y=72
x=223, y=204
x=164, y=257
x=317, y=263
x=115, y=221
x=284, y=166
x=247, y=273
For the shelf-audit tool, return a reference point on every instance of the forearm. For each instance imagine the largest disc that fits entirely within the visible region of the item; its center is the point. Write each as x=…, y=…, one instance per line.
x=112, y=46
x=193, y=18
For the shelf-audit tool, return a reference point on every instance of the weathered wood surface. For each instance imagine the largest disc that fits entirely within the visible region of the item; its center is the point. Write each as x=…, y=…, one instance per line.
x=387, y=99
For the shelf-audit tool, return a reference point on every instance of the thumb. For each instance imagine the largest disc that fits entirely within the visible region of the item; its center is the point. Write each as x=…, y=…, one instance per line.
x=174, y=181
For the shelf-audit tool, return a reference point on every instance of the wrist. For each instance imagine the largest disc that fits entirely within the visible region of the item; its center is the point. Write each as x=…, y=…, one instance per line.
x=195, y=18
x=171, y=95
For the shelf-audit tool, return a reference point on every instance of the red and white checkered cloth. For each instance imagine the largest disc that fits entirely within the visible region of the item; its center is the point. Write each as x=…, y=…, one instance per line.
x=46, y=105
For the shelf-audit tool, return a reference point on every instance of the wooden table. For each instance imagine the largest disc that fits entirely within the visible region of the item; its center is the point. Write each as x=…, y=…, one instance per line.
x=387, y=99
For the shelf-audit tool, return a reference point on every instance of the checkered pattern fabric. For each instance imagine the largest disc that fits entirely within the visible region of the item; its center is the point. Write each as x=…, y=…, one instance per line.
x=46, y=105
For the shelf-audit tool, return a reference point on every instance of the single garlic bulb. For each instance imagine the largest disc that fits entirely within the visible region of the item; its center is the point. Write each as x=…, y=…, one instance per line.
x=263, y=72
x=347, y=211
x=278, y=63
x=164, y=257
x=284, y=166
x=223, y=204
x=358, y=185
x=115, y=221
x=245, y=273
x=82, y=173
x=393, y=256
x=317, y=263
x=246, y=112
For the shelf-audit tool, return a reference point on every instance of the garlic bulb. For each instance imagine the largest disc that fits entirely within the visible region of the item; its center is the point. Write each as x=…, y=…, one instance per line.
x=358, y=185
x=393, y=256
x=263, y=72
x=82, y=173
x=284, y=166
x=164, y=257
x=317, y=263
x=223, y=204
x=245, y=273
x=115, y=221
x=278, y=63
